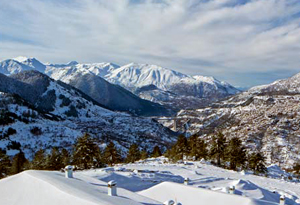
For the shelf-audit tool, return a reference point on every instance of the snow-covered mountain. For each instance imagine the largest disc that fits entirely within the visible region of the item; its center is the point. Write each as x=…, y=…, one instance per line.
x=265, y=117
x=10, y=66
x=134, y=76
x=43, y=113
x=87, y=78
x=175, y=90
x=112, y=96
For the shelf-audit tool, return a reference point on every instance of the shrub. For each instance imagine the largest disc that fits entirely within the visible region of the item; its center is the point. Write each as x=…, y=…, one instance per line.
x=36, y=131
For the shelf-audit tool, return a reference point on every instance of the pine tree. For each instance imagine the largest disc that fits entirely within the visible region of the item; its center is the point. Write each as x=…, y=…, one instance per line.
x=134, y=153
x=39, y=160
x=257, y=163
x=197, y=147
x=236, y=153
x=180, y=149
x=5, y=164
x=217, y=150
x=144, y=154
x=66, y=158
x=297, y=168
x=111, y=154
x=19, y=163
x=54, y=160
x=156, y=152
x=86, y=153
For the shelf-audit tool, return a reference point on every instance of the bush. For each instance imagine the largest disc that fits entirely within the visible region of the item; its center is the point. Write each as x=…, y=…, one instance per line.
x=14, y=145
x=72, y=112
x=11, y=131
x=36, y=131
x=65, y=101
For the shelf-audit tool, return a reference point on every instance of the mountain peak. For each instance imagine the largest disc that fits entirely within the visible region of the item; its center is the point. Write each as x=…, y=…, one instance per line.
x=20, y=59
x=72, y=63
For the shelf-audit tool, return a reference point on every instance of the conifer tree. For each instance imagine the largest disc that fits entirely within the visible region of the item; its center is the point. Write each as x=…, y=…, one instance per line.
x=297, y=169
x=236, y=153
x=5, y=164
x=144, y=154
x=19, y=163
x=39, y=160
x=217, y=150
x=156, y=152
x=86, y=153
x=66, y=158
x=197, y=147
x=54, y=160
x=134, y=153
x=180, y=149
x=111, y=154
x=257, y=163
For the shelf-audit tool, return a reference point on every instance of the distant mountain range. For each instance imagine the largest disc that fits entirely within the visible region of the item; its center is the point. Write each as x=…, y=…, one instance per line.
x=172, y=89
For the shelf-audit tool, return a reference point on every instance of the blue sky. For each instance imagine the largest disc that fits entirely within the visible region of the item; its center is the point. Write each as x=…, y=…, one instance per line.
x=244, y=42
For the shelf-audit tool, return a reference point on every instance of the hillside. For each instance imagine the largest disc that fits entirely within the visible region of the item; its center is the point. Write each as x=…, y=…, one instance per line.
x=38, y=112
x=265, y=117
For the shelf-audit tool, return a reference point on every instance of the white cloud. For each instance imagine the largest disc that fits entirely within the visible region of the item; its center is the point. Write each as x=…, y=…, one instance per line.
x=211, y=37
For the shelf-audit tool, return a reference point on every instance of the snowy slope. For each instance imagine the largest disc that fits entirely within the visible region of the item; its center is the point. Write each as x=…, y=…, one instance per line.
x=46, y=113
x=48, y=188
x=33, y=63
x=200, y=90
x=136, y=75
x=187, y=195
x=158, y=179
x=266, y=118
x=112, y=96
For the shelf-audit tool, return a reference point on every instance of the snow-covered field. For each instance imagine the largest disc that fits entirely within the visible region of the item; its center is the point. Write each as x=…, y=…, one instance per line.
x=152, y=181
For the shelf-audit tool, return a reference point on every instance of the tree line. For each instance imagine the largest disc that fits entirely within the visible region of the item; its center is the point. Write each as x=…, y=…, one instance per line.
x=86, y=154
x=230, y=154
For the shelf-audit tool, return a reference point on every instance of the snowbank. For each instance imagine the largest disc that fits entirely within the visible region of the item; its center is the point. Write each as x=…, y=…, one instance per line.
x=196, y=196
x=48, y=188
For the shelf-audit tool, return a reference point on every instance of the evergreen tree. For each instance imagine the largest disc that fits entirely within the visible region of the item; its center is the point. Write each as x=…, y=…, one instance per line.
x=236, y=153
x=217, y=150
x=134, y=153
x=297, y=168
x=5, y=164
x=180, y=149
x=156, y=152
x=257, y=163
x=39, y=160
x=144, y=154
x=111, y=154
x=66, y=158
x=54, y=160
x=19, y=163
x=197, y=147
x=86, y=153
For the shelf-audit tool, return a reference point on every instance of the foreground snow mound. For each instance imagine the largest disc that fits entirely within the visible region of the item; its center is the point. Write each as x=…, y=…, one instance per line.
x=133, y=180
x=186, y=195
x=249, y=189
x=48, y=188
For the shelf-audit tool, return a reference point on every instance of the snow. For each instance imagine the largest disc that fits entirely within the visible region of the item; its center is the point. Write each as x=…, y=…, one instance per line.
x=153, y=177
x=48, y=188
x=196, y=196
x=152, y=181
x=21, y=59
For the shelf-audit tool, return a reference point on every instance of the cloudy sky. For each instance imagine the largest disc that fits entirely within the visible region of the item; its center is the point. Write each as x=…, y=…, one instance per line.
x=245, y=42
